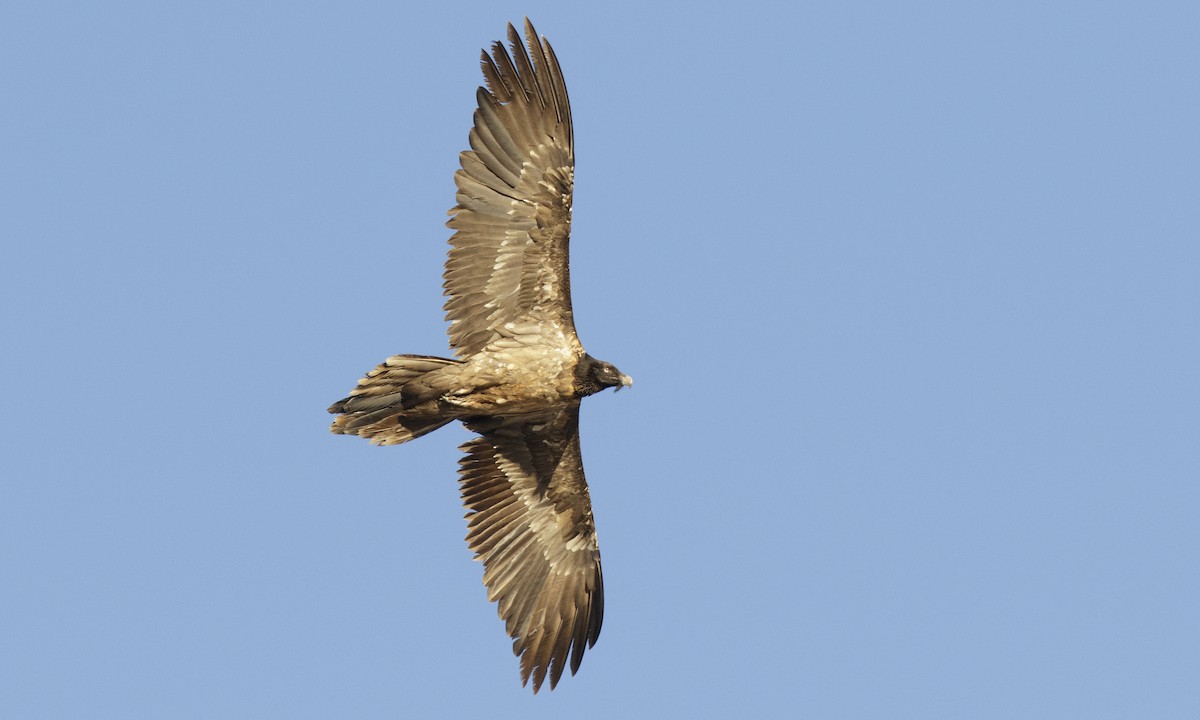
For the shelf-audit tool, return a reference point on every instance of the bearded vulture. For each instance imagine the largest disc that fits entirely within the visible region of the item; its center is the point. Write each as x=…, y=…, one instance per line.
x=519, y=370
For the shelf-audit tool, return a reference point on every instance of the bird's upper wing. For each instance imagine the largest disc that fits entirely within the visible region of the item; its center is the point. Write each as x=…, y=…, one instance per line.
x=530, y=522
x=508, y=256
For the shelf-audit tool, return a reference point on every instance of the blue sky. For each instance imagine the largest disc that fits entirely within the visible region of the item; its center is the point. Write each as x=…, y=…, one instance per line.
x=909, y=291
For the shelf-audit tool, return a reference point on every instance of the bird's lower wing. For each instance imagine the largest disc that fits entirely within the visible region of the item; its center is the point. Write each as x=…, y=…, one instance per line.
x=530, y=522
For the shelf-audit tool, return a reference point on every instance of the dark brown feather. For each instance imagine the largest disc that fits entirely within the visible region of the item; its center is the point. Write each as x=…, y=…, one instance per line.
x=530, y=522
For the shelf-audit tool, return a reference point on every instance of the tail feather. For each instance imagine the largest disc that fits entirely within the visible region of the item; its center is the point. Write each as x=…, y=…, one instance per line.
x=384, y=427
x=375, y=409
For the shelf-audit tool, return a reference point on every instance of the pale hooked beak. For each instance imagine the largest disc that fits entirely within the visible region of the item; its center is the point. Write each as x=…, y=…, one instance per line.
x=626, y=381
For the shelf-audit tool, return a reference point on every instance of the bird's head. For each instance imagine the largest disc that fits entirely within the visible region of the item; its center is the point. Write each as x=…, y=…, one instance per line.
x=595, y=375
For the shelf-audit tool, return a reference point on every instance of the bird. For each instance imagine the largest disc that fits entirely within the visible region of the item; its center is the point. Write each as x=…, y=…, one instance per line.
x=519, y=370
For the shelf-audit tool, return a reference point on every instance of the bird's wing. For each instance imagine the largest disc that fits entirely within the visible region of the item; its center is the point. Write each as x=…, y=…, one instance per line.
x=508, y=256
x=530, y=522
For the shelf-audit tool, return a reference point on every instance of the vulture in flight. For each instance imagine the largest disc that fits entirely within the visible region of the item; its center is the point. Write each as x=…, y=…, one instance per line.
x=519, y=370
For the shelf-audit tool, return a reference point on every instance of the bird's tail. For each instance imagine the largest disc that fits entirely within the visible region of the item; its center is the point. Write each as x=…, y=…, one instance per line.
x=380, y=407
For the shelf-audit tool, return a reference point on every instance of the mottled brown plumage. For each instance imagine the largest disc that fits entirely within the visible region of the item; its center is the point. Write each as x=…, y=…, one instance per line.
x=520, y=370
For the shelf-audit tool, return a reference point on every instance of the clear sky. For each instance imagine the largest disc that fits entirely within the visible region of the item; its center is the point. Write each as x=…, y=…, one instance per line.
x=909, y=292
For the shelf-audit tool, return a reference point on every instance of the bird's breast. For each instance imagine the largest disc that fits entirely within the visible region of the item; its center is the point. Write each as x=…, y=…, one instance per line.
x=512, y=382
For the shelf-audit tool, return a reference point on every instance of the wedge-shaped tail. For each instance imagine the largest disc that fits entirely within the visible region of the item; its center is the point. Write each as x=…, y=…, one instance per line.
x=381, y=408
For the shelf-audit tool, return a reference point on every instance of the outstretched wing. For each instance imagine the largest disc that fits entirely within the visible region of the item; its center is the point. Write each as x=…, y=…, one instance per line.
x=508, y=256
x=530, y=522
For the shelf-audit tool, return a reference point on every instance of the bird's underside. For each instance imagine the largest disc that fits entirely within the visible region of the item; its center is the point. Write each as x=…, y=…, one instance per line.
x=520, y=370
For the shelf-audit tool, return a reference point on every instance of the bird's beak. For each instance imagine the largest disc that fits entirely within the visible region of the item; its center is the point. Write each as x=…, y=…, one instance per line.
x=626, y=381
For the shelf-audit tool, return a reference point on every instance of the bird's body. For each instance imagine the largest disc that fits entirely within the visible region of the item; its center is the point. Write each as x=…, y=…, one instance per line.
x=520, y=370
